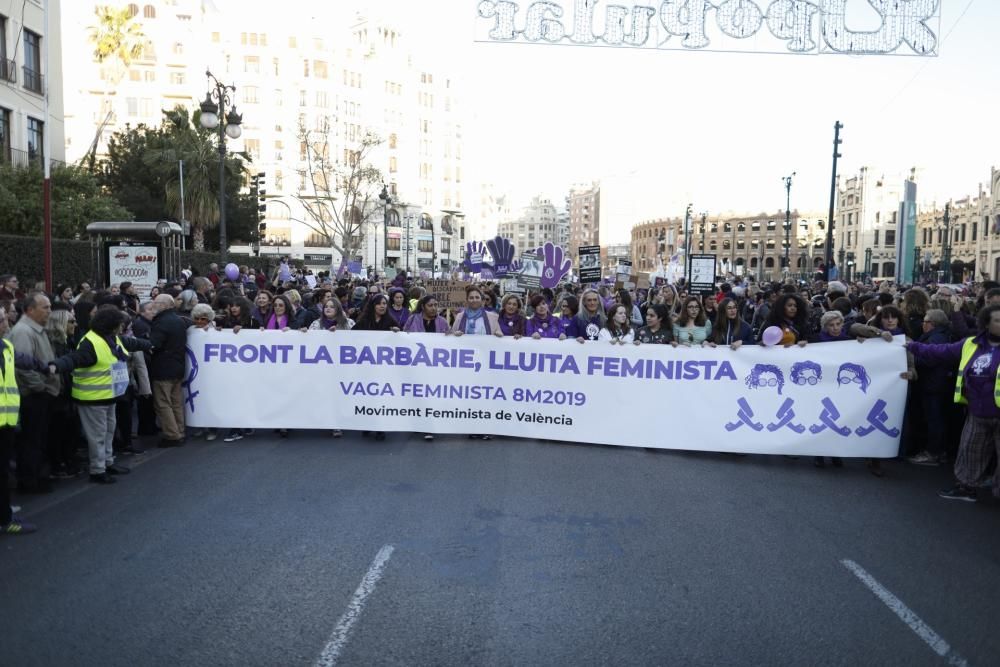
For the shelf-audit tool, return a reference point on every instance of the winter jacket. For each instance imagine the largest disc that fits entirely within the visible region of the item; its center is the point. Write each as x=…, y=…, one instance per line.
x=168, y=335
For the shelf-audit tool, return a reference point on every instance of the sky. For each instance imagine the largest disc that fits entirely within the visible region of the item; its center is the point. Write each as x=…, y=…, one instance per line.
x=716, y=129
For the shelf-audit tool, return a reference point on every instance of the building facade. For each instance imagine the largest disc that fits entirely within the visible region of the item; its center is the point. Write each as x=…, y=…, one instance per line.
x=539, y=223
x=31, y=67
x=309, y=92
x=583, y=206
x=748, y=245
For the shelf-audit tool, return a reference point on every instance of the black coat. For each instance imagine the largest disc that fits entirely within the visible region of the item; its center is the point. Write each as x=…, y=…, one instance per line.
x=937, y=378
x=169, y=337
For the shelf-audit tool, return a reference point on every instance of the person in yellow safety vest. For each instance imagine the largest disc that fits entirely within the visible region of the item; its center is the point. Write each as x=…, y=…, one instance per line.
x=100, y=375
x=10, y=402
x=978, y=387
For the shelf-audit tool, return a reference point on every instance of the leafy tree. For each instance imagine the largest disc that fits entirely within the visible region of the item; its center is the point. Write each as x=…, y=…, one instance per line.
x=117, y=40
x=125, y=174
x=183, y=138
x=77, y=200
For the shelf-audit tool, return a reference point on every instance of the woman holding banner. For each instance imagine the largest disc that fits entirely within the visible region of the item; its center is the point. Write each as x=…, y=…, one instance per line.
x=618, y=330
x=659, y=330
x=425, y=318
x=512, y=321
x=730, y=329
x=790, y=313
x=542, y=324
x=476, y=318
x=587, y=324
x=692, y=327
x=375, y=316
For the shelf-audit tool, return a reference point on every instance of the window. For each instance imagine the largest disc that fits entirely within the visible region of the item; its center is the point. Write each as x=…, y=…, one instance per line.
x=392, y=165
x=425, y=245
x=848, y=238
x=769, y=263
x=975, y=228
x=250, y=95
x=5, y=135
x=178, y=49
x=393, y=243
x=149, y=76
x=755, y=226
x=149, y=12
x=303, y=98
x=446, y=246
x=251, y=64
x=727, y=227
x=276, y=65
x=322, y=101
x=876, y=239
x=216, y=38
x=319, y=69
x=132, y=106
x=305, y=68
x=133, y=75
x=177, y=78
x=850, y=218
x=890, y=238
x=32, y=62
x=888, y=269
x=962, y=239
x=392, y=140
x=133, y=10
x=252, y=146
x=36, y=135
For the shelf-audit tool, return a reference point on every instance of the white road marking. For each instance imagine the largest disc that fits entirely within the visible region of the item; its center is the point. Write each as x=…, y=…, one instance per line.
x=338, y=640
x=905, y=614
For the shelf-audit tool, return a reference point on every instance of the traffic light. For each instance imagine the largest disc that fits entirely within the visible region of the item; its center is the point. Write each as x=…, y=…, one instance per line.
x=261, y=193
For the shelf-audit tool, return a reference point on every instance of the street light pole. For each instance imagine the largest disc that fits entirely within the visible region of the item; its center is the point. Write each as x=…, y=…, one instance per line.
x=788, y=220
x=213, y=115
x=946, y=250
x=687, y=244
x=703, y=217
x=837, y=127
x=386, y=203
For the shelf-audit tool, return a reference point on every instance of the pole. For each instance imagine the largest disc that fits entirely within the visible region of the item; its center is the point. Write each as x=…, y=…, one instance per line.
x=687, y=245
x=788, y=221
x=946, y=250
x=223, y=241
x=183, y=238
x=703, y=217
x=433, y=250
x=47, y=167
x=837, y=127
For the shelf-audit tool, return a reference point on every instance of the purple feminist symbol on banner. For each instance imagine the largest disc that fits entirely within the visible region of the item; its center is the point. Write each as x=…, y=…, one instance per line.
x=744, y=417
x=877, y=417
x=192, y=374
x=828, y=420
x=785, y=416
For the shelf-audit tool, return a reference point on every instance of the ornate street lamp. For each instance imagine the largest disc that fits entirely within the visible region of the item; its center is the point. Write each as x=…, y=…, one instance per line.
x=213, y=110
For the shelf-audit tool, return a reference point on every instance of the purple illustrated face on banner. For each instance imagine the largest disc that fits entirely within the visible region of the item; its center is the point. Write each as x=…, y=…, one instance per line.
x=853, y=375
x=486, y=273
x=806, y=373
x=766, y=376
x=192, y=374
x=555, y=266
x=502, y=251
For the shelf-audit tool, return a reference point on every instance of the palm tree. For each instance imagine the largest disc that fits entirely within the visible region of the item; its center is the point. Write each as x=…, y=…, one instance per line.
x=185, y=139
x=117, y=40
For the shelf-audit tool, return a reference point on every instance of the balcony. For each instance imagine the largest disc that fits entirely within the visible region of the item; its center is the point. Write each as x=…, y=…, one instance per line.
x=8, y=70
x=24, y=159
x=32, y=80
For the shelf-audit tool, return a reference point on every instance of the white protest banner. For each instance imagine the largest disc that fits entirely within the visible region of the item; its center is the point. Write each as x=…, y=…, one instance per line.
x=832, y=399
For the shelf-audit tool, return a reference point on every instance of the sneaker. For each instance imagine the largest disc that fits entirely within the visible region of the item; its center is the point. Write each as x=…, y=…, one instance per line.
x=212, y=435
x=18, y=527
x=14, y=509
x=134, y=449
x=959, y=492
x=117, y=469
x=428, y=436
x=923, y=459
x=198, y=432
x=233, y=437
x=336, y=433
x=62, y=473
x=102, y=478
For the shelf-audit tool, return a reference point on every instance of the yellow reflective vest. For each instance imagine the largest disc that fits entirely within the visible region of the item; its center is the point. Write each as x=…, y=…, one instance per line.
x=105, y=380
x=968, y=351
x=10, y=397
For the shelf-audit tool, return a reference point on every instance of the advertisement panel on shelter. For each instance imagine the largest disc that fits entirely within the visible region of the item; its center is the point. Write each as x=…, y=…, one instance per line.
x=134, y=262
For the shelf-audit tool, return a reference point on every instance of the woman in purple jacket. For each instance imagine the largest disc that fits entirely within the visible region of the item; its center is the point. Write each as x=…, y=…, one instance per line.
x=426, y=319
x=977, y=385
x=397, y=306
x=542, y=324
x=587, y=323
x=512, y=320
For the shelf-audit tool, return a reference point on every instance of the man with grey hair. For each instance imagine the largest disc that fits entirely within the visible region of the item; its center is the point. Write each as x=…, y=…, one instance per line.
x=38, y=390
x=934, y=392
x=168, y=333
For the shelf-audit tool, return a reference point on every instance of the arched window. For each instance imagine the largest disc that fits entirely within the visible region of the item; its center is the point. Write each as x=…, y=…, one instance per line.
x=392, y=140
x=149, y=12
x=426, y=222
x=741, y=227
x=753, y=262
x=133, y=10
x=727, y=227
x=392, y=218
x=740, y=261
x=769, y=263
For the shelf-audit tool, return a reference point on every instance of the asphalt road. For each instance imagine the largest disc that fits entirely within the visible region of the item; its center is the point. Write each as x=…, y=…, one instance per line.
x=507, y=552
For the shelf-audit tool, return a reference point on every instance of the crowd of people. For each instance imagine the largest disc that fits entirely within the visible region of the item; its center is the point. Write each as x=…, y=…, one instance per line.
x=86, y=371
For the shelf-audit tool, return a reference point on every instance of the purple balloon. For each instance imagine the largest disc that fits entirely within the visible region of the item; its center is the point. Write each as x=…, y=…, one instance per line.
x=232, y=271
x=772, y=336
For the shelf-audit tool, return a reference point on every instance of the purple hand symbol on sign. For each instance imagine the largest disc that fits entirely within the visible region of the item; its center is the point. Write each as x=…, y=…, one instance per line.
x=502, y=252
x=554, y=268
x=474, y=256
